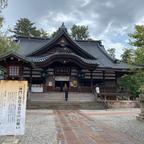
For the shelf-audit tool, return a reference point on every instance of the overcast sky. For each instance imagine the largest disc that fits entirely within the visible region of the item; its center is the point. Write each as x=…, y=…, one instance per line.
x=108, y=20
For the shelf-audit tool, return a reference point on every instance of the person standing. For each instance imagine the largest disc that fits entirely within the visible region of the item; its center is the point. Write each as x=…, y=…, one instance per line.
x=97, y=91
x=66, y=92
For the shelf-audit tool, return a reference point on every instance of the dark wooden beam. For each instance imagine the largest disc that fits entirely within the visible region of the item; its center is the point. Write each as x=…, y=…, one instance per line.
x=91, y=76
x=104, y=80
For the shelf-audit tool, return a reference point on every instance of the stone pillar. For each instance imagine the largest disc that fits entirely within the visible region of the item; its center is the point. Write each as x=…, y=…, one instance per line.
x=141, y=115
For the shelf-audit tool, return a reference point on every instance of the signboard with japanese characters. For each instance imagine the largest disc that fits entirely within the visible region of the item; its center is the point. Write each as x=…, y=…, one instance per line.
x=13, y=96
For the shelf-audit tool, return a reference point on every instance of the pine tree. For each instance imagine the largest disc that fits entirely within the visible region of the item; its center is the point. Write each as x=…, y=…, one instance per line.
x=79, y=32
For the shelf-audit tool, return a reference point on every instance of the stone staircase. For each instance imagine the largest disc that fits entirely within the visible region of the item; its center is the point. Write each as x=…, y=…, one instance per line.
x=67, y=105
x=56, y=100
x=60, y=97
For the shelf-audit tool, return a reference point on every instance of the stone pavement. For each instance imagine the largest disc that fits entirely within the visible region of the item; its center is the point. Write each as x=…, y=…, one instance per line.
x=123, y=120
x=73, y=127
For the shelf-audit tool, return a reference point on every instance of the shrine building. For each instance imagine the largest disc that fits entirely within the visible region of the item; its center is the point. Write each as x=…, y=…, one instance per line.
x=50, y=64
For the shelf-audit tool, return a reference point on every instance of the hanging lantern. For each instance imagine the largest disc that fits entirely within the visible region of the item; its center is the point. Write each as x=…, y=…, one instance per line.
x=44, y=74
x=81, y=75
x=1, y=75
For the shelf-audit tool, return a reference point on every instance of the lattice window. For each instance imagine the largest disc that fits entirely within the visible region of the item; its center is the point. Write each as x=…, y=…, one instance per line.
x=62, y=70
x=13, y=70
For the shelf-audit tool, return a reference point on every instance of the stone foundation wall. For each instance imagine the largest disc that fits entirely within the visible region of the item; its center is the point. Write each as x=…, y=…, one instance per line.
x=123, y=104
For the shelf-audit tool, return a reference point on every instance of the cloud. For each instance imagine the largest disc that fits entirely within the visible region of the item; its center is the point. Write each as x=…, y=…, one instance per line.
x=108, y=20
x=140, y=21
x=85, y=2
x=60, y=17
x=118, y=46
x=108, y=4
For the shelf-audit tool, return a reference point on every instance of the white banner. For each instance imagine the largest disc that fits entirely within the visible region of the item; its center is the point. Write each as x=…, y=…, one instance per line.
x=13, y=95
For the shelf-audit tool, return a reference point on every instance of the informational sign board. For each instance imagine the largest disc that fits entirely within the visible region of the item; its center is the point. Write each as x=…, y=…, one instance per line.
x=62, y=78
x=13, y=96
x=37, y=88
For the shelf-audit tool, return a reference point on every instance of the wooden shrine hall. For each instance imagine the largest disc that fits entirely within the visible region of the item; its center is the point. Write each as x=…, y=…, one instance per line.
x=50, y=64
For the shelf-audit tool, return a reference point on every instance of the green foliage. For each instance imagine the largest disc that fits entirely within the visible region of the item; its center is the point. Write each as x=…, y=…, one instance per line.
x=79, y=32
x=24, y=27
x=6, y=43
x=3, y=4
x=111, y=52
x=135, y=81
x=54, y=34
x=137, y=38
x=132, y=83
x=44, y=34
x=139, y=56
x=127, y=56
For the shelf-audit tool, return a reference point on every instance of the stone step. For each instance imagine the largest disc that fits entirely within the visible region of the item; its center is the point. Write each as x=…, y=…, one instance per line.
x=60, y=96
x=66, y=105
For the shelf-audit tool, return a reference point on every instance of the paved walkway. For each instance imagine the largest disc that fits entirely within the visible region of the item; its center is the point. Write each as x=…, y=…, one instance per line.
x=74, y=127
x=80, y=127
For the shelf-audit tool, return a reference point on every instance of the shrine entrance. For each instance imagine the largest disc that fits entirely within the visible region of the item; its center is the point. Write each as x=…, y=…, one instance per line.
x=61, y=84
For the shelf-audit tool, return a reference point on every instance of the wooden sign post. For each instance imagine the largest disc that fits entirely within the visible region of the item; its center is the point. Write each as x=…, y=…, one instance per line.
x=13, y=95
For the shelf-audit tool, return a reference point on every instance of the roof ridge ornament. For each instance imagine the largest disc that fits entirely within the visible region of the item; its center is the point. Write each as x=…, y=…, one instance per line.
x=63, y=28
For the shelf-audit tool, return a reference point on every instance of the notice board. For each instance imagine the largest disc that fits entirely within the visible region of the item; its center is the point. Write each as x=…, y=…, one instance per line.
x=13, y=95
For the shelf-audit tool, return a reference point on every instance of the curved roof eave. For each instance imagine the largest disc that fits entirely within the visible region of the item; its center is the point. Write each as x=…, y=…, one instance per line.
x=15, y=54
x=60, y=33
x=48, y=58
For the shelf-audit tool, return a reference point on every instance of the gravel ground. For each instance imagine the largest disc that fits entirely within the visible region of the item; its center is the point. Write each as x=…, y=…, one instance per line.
x=40, y=128
x=126, y=123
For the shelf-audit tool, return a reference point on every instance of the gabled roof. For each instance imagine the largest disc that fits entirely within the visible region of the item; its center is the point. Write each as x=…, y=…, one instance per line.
x=29, y=46
x=18, y=56
x=61, y=32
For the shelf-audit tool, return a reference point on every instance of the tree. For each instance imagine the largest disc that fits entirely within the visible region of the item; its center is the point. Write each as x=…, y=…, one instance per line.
x=132, y=83
x=54, y=34
x=79, y=32
x=135, y=81
x=44, y=34
x=111, y=52
x=3, y=4
x=24, y=27
x=127, y=55
x=6, y=43
x=137, y=38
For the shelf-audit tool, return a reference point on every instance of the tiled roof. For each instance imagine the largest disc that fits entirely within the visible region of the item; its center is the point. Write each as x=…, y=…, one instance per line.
x=29, y=46
x=45, y=58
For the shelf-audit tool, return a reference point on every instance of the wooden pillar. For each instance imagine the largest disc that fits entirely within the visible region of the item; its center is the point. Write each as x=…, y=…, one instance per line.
x=91, y=75
x=115, y=80
x=30, y=79
x=21, y=72
x=30, y=85
x=104, y=80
